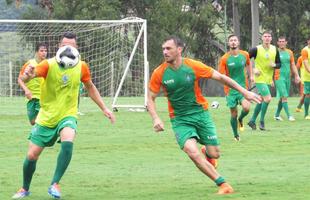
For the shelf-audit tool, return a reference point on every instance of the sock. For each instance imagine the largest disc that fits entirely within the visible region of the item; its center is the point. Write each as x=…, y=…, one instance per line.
x=306, y=103
x=301, y=102
x=28, y=170
x=234, y=126
x=279, y=108
x=264, y=110
x=285, y=106
x=63, y=160
x=243, y=114
x=256, y=112
x=219, y=181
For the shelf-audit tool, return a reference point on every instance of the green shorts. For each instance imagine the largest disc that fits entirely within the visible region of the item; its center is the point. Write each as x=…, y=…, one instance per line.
x=306, y=87
x=198, y=125
x=33, y=107
x=283, y=88
x=46, y=137
x=234, y=100
x=263, y=89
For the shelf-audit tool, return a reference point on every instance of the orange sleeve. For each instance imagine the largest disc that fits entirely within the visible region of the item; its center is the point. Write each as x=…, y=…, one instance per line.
x=299, y=62
x=201, y=70
x=222, y=65
x=42, y=69
x=22, y=70
x=292, y=60
x=85, y=73
x=304, y=54
x=156, y=78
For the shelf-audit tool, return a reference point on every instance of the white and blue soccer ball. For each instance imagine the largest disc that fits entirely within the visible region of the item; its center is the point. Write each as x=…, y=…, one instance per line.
x=67, y=57
x=215, y=105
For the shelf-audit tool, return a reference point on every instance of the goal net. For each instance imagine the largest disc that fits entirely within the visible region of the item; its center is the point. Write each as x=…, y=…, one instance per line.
x=116, y=51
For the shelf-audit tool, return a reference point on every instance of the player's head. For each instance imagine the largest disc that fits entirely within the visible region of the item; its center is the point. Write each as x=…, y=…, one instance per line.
x=172, y=48
x=233, y=42
x=68, y=38
x=41, y=51
x=267, y=37
x=282, y=42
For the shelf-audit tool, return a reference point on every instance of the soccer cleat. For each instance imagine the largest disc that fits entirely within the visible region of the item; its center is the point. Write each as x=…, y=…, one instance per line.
x=240, y=125
x=225, y=188
x=54, y=191
x=278, y=118
x=237, y=138
x=262, y=126
x=298, y=110
x=212, y=161
x=291, y=118
x=252, y=125
x=307, y=117
x=21, y=193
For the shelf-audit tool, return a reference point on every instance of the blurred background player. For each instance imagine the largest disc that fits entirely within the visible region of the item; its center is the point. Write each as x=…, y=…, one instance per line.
x=233, y=64
x=266, y=59
x=282, y=78
x=58, y=114
x=301, y=87
x=305, y=76
x=188, y=109
x=32, y=88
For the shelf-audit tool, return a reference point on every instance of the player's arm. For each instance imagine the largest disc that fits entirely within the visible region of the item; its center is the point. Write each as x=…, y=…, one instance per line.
x=94, y=93
x=294, y=68
x=22, y=84
x=277, y=63
x=251, y=96
x=304, y=54
x=31, y=71
x=248, y=66
x=157, y=123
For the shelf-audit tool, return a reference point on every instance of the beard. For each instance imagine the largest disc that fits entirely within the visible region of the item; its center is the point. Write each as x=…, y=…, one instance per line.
x=233, y=48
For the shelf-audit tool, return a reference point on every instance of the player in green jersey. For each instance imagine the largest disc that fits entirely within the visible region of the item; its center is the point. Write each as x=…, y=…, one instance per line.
x=188, y=109
x=282, y=78
x=233, y=64
x=57, y=117
x=32, y=88
x=266, y=59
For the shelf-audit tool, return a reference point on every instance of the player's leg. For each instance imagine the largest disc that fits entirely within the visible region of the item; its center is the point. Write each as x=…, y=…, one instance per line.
x=232, y=101
x=302, y=98
x=33, y=107
x=307, y=99
x=245, y=104
x=265, y=92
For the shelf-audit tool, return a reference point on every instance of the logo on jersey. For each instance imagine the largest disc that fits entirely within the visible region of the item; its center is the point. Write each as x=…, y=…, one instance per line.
x=65, y=79
x=167, y=82
x=188, y=78
x=231, y=64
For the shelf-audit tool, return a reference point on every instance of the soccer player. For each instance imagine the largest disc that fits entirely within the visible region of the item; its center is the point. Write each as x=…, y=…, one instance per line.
x=301, y=87
x=233, y=64
x=266, y=59
x=57, y=117
x=283, y=80
x=305, y=76
x=32, y=88
x=188, y=109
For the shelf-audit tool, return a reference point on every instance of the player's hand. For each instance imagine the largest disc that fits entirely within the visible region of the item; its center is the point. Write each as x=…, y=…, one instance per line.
x=109, y=115
x=252, y=80
x=28, y=94
x=272, y=64
x=253, y=97
x=256, y=72
x=297, y=79
x=29, y=71
x=158, y=125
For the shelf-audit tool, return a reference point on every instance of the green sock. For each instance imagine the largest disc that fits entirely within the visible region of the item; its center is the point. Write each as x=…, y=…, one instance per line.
x=28, y=169
x=256, y=112
x=279, y=108
x=264, y=111
x=234, y=125
x=63, y=160
x=285, y=106
x=243, y=114
x=219, y=181
x=306, y=103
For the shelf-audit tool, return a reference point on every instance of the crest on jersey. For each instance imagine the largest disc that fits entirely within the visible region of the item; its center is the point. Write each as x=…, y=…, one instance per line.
x=65, y=79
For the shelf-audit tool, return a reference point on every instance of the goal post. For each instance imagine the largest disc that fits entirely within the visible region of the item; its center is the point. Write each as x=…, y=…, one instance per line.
x=116, y=51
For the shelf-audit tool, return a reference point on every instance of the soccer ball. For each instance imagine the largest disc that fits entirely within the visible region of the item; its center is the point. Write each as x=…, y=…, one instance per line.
x=215, y=105
x=67, y=57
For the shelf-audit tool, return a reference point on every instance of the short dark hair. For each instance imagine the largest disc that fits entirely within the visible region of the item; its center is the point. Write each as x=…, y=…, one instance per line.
x=232, y=35
x=69, y=35
x=282, y=37
x=176, y=40
x=39, y=45
x=268, y=32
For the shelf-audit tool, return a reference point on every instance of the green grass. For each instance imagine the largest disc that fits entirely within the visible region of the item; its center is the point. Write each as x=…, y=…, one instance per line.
x=128, y=160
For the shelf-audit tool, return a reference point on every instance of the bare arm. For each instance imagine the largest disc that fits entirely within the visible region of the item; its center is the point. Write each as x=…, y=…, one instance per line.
x=95, y=96
x=295, y=72
x=157, y=123
x=250, y=72
x=251, y=96
x=28, y=93
x=307, y=65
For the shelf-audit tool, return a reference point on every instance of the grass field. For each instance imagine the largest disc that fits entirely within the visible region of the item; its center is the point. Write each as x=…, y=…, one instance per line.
x=128, y=160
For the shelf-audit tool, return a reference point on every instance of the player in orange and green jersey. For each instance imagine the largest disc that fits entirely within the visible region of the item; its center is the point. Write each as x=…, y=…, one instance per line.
x=301, y=87
x=233, y=64
x=179, y=77
x=282, y=78
x=305, y=76
x=32, y=88
x=58, y=114
x=266, y=59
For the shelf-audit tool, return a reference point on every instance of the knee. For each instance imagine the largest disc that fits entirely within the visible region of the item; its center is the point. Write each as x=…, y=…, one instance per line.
x=32, y=156
x=32, y=122
x=215, y=155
